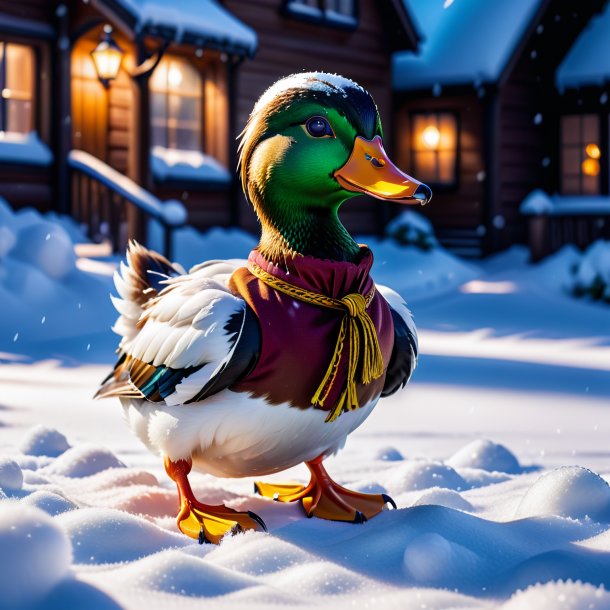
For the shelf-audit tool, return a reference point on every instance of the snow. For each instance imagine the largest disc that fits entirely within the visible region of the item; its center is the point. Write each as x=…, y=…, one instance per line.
x=570, y=491
x=46, y=299
x=11, y=477
x=468, y=41
x=538, y=203
x=412, y=228
x=586, y=63
x=186, y=166
x=591, y=272
x=35, y=554
x=486, y=455
x=24, y=149
x=192, y=247
x=496, y=455
x=43, y=440
x=205, y=20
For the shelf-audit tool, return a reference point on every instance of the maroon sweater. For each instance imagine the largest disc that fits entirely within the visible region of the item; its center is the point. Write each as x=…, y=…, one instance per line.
x=298, y=339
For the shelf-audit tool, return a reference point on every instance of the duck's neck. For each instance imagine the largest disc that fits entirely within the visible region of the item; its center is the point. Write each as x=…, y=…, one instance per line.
x=311, y=231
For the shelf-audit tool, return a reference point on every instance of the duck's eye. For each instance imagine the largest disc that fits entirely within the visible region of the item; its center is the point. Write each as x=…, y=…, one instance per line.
x=319, y=127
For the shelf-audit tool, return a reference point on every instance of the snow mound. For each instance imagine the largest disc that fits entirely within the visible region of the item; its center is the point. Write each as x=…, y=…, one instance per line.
x=432, y=559
x=44, y=441
x=50, y=502
x=192, y=247
x=444, y=497
x=11, y=475
x=317, y=578
x=389, y=454
x=272, y=554
x=421, y=474
x=101, y=535
x=7, y=240
x=48, y=247
x=83, y=461
x=412, y=229
x=35, y=555
x=536, y=204
x=485, y=455
x=176, y=572
x=570, y=491
x=416, y=273
x=567, y=595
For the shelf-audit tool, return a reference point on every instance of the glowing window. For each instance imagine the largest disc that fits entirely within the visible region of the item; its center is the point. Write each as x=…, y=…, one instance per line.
x=16, y=87
x=580, y=154
x=176, y=92
x=434, y=137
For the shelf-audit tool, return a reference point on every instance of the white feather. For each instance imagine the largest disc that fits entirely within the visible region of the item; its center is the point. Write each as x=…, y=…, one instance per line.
x=398, y=304
x=234, y=434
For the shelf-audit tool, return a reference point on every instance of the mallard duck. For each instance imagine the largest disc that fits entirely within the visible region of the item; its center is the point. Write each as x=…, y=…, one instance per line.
x=243, y=371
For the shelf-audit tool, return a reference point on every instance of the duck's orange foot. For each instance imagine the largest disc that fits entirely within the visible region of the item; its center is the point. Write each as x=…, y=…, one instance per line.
x=210, y=523
x=324, y=498
x=205, y=522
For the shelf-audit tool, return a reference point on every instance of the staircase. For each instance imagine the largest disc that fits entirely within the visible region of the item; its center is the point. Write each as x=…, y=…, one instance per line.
x=114, y=208
x=465, y=243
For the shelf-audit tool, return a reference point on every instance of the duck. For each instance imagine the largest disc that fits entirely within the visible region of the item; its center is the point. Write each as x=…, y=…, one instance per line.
x=244, y=370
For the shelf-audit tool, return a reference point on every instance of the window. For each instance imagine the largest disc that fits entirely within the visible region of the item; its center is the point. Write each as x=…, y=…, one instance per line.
x=16, y=88
x=337, y=13
x=580, y=154
x=434, y=147
x=176, y=105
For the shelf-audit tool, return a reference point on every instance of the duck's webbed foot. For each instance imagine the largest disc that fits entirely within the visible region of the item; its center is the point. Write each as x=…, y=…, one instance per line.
x=205, y=522
x=324, y=498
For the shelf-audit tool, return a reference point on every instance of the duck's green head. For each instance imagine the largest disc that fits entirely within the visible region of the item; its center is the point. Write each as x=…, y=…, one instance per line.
x=313, y=141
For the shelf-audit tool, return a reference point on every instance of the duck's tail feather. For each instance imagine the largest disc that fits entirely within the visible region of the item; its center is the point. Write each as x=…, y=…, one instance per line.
x=137, y=282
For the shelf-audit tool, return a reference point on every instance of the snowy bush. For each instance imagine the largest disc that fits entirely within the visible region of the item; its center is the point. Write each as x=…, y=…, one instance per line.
x=591, y=275
x=412, y=229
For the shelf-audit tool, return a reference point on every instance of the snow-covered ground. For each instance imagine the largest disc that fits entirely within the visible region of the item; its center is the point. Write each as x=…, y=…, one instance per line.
x=497, y=454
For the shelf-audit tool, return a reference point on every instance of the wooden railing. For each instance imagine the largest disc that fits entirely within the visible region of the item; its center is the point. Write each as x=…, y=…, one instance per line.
x=567, y=220
x=102, y=198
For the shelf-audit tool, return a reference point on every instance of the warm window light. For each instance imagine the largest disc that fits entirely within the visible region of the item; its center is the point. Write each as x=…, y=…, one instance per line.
x=590, y=167
x=174, y=77
x=593, y=151
x=431, y=137
x=107, y=57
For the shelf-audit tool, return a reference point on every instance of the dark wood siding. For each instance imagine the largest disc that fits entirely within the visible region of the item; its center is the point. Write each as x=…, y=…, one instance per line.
x=26, y=185
x=32, y=10
x=287, y=45
x=456, y=212
x=527, y=148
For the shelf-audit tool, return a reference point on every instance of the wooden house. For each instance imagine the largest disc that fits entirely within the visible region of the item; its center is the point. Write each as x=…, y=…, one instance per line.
x=157, y=92
x=480, y=118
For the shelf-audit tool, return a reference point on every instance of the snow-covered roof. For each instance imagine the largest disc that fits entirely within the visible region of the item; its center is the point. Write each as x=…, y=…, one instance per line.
x=202, y=22
x=588, y=61
x=465, y=41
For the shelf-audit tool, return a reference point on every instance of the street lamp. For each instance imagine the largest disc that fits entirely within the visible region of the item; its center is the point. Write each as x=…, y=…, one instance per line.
x=107, y=57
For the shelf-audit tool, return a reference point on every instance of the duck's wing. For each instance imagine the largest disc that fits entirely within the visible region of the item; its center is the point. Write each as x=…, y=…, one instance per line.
x=404, y=354
x=183, y=339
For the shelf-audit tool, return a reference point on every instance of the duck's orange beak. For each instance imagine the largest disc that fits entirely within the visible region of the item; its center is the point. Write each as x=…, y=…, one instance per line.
x=369, y=170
